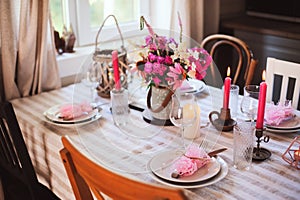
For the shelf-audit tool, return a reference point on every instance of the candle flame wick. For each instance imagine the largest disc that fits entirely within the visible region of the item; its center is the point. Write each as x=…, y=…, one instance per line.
x=264, y=75
x=228, y=71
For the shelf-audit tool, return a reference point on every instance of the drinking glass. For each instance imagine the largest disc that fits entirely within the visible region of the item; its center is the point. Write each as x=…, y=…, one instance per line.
x=249, y=101
x=183, y=110
x=92, y=77
x=243, y=138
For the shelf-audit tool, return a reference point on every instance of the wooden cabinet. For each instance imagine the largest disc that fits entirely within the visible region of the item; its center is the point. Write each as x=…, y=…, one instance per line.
x=266, y=38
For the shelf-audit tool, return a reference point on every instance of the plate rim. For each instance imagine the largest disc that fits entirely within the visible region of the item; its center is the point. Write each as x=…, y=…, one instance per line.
x=286, y=128
x=90, y=120
x=172, y=153
x=49, y=117
x=221, y=175
x=195, y=81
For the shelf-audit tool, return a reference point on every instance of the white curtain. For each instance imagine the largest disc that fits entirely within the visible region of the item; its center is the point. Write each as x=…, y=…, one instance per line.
x=163, y=15
x=28, y=57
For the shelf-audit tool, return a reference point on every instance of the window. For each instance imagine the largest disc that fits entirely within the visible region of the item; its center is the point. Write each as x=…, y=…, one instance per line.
x=86, y=16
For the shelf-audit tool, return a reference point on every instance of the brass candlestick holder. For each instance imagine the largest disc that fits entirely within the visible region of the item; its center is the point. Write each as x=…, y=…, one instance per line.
x=223, y=121
x=259, y=153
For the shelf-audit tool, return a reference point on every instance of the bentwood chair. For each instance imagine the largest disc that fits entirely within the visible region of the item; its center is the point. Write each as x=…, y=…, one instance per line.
x=89, y=179
x=18, y=177
x=229, y=51
x=283, y=80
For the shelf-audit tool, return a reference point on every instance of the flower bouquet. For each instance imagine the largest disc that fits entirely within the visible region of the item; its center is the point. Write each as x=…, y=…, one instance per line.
x=168, y=63
x=165, y=65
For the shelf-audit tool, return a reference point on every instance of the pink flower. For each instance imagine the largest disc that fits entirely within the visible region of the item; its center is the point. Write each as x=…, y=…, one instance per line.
x=159, y=69
x=160, y=59
x=178, y=75
x=169, y=63
x=156, y=80
x=200, y=75
x=148, y=67
x=168, y=60
x=152, y=57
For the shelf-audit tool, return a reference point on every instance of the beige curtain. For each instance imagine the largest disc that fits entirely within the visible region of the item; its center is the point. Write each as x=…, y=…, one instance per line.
x=28, y=57
x=164, y=16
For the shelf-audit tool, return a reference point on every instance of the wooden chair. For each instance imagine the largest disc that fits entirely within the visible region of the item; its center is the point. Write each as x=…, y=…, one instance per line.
x=17, y=174
x=283, y=79
x=86, y=177
x=230, y=51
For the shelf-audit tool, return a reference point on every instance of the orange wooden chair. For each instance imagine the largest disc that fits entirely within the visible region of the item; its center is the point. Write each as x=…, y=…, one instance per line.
x=241, y=59
x=89, y=179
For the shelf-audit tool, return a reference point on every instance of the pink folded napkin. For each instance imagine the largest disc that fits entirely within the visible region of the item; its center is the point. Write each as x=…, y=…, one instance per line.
x=275, y=114
x=194, y=158
x=72, y=111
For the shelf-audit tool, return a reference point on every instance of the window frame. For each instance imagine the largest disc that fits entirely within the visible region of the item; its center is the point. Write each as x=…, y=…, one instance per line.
x=74, y=16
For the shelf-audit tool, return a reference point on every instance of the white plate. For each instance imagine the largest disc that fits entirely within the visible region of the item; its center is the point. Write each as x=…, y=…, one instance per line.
x=222, y=174
x=52, y=114
x=161, y=166
x=288, y=125
x=192, y=86
x=96, y=117
x=282, y=131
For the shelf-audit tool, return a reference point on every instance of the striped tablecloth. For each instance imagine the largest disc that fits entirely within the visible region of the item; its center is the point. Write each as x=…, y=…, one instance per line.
x=128, y=150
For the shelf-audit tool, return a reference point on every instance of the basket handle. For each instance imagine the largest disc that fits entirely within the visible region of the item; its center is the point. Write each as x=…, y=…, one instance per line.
x=121, y=36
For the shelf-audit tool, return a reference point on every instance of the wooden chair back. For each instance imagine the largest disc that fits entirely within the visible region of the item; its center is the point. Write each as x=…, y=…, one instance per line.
x=241, y=61
x=283, y=79
x=89, y=179
x=17, y=173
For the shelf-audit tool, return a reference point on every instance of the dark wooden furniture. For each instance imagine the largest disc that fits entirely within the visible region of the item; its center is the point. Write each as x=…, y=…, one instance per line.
x=229, y=51
x=266, y=37
x=17, y=174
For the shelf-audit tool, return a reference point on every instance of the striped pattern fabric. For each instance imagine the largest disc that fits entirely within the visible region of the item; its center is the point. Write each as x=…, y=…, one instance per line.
x=127, y=150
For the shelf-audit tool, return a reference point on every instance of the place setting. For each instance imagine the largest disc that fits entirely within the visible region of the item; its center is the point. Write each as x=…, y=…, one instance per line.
x=282, y=118
x=67, y=114
x=192, y=168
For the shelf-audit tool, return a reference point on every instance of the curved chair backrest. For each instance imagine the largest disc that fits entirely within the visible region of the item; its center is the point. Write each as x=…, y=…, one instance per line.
x=86, y=176
x=283, y=79
x=16, y=170
x=245, y=65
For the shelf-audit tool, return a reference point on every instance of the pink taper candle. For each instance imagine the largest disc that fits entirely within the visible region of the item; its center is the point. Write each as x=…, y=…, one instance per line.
x=116, y=69
x=261, y=105
x=227, y=84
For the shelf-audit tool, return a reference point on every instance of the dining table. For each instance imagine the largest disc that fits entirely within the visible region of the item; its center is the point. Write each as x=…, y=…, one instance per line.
x=128, y=150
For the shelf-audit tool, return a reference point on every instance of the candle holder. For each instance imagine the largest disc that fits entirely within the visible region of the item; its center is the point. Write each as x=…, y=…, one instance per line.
x=260, y=154
x=292, y=154
x=223, y=122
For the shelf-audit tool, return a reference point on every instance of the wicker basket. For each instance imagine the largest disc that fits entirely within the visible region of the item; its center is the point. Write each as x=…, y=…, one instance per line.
x=104, y=57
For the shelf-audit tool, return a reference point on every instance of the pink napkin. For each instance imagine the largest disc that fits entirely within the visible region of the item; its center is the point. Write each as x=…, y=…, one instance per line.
x=275, y=114
x=72, y=111
x=194, y=158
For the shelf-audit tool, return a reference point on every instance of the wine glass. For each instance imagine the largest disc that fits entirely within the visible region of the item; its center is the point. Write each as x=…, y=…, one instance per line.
x=92, y=77
x=183, y=110
x=249, y=103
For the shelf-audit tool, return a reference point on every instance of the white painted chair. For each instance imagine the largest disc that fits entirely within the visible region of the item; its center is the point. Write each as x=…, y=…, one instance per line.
x=283, y=79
